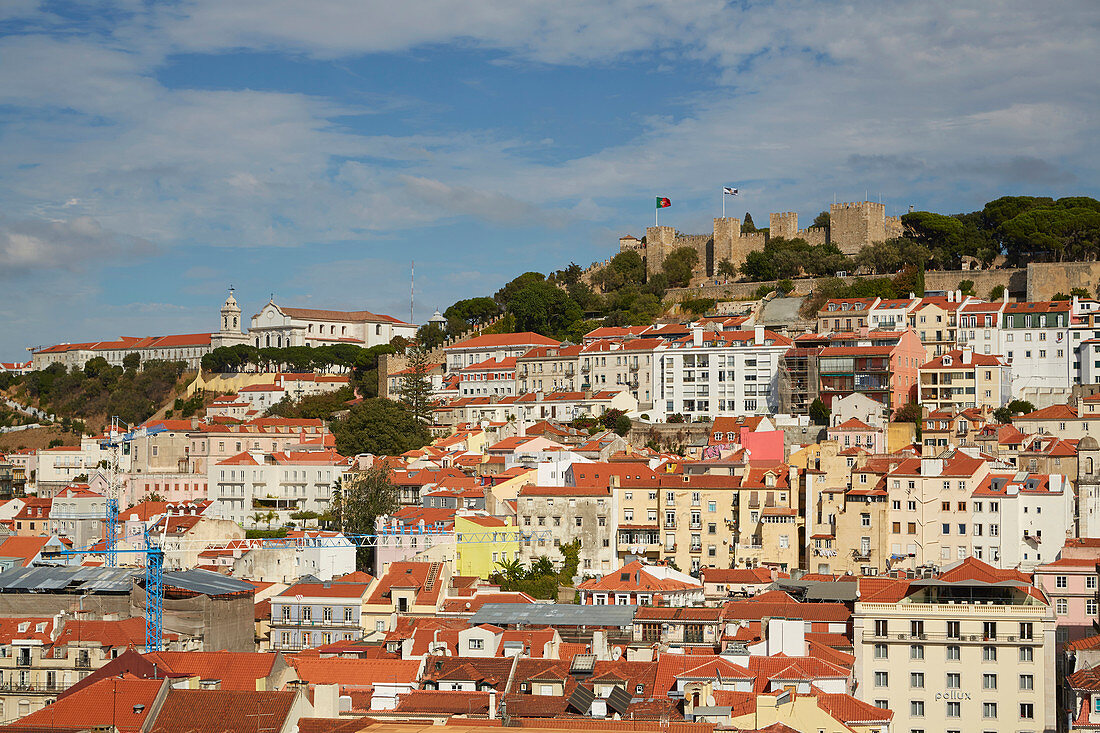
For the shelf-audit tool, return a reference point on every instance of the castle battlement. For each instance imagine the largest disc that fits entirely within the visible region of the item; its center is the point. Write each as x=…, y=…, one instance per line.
x=852, y=226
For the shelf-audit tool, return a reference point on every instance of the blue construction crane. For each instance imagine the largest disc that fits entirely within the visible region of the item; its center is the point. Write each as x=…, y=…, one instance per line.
x=115, y=441
x=154, y=559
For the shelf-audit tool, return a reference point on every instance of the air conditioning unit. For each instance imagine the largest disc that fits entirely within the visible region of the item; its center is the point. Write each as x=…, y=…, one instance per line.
x=922, y=636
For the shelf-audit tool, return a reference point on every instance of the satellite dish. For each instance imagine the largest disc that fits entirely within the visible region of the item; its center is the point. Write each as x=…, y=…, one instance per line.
x=616, y=652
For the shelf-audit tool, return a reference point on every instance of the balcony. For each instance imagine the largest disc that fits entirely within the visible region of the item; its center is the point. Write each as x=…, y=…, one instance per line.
x=861, y=555
x=316, y=623
x=695, y=548
x=83, y=663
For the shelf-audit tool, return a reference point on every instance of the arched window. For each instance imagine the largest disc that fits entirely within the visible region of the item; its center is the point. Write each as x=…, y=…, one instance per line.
x=235, y=322
x=1088, y=464
x=267, y=340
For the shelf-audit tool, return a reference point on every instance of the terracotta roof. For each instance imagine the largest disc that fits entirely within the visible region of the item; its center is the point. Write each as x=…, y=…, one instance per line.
x=636, y=576
x=24, y=548
x=503, y=340
x=354, y=672
x=236, y=670
x=325, y=590
x=740, y=575
x=456, y=702
x=124, y=704
x=410, y=575
x=215, y=711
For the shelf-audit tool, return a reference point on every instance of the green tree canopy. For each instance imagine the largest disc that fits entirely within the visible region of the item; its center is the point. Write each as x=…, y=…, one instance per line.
x=747, y=227
x=381, y=427
x=678, y=266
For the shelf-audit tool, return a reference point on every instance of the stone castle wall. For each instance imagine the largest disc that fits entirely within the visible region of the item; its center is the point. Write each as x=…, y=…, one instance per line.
x=852, y=227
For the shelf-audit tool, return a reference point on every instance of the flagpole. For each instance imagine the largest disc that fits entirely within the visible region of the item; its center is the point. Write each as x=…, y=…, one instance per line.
x=723, y=203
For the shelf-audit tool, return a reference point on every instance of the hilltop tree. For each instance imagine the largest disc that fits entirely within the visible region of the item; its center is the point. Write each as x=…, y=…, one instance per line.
x=356, y=504
x=381, y=427
x=415, y=389
x=822, y=220
x=747, y=227
x=678, y=266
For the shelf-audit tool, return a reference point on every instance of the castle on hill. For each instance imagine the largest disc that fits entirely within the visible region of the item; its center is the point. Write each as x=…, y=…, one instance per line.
x=852, y=226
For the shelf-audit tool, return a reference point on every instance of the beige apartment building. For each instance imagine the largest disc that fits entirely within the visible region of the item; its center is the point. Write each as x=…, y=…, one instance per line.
x=625, y=365
x=961, y=379
x=930, y=509
x=548, y=369
x=850, y=530
x=971, y=649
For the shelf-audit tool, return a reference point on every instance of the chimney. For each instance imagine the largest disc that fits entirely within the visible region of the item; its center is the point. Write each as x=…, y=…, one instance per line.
x=1004, y=295
x=758, y=335
x=967, y=355
x=696, y=335
x=958, y=296
x=492, y=704
x=326, y=701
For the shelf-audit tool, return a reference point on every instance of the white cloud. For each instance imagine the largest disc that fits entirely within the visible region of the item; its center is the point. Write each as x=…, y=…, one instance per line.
x=74, y=244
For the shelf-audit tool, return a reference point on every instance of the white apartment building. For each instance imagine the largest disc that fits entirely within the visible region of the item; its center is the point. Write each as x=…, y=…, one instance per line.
x=59, y=466
x=1021, y=520
x=960, y=379
x=257, y=483
x=972, y=649
x=718, y=373
x=489, y=377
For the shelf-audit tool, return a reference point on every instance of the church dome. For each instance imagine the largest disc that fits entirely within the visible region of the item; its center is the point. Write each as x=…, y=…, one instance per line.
x=1088, y=443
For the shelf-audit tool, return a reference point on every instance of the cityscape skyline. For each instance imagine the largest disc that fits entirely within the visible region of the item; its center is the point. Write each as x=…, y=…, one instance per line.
x=154, y=156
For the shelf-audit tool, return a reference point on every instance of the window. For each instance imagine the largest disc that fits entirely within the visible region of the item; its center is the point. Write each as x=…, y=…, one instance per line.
x=954, y=709
x=477, y=643
x=989, y=681
x=1026, y=630
x=881, y=627
x=954, y=680
x=916, y=680
x=953, y=631
x=1027, y=654
x=1027, y=711
x=916, y=651
x=1061, y=606
x=989, y=710
x=1027, y=682
x=1059, y=581
x=916, y=628
x=1090, y=582
x=916, y=708
x=1090, y=606
x=882, y=679
x=954, y=652
x=989, y=654
x=881, y=651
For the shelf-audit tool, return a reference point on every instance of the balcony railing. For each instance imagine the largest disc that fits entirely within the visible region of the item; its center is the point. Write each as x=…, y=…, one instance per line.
x=83, y=663
x=311, y=622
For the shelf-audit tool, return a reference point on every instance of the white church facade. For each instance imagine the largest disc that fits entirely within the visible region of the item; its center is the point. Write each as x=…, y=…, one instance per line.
x=274, y=326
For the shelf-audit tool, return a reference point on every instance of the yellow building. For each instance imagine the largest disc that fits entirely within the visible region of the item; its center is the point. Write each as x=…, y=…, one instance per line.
x=483, y=541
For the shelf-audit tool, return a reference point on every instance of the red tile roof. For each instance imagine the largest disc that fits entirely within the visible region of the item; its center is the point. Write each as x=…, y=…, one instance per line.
x=236, y=670
x=124, y=704
x=456, y=702
x=354, y=672
x=218, y=711
x=504, y=340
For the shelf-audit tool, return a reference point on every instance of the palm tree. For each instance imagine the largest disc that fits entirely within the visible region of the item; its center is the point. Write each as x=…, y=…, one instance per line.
x=511, y=570
x=271, y=516
x=257, y=518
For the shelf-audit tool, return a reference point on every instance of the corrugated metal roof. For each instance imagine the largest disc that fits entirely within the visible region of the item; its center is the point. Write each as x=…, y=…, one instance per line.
x=205, y=582
x=79, y=579
x=553, y=614
x=61, y=578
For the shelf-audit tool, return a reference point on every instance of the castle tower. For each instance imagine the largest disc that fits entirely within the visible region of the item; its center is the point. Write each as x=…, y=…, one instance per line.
x=229, y=334
x=727, y=233
x=659, y=241
x=856, y=225
x=783, y=225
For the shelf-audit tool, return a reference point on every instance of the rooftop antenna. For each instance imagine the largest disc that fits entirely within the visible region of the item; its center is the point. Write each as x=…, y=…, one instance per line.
x=412, y=288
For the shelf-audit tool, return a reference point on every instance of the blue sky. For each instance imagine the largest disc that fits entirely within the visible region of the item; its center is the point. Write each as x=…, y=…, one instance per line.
x=151, y=153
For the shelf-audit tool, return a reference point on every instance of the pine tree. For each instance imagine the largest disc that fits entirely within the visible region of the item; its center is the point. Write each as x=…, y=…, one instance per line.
x=747, y=226
x=415, y=389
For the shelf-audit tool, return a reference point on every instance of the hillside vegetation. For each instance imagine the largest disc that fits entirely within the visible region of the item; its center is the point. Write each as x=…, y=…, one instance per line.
x=92, y=394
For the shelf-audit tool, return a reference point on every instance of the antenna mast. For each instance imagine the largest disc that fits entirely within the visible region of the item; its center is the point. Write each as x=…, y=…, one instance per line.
x=412, y=287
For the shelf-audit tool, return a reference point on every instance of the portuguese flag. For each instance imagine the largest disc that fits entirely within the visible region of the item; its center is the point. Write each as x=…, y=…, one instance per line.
x=663, y=202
